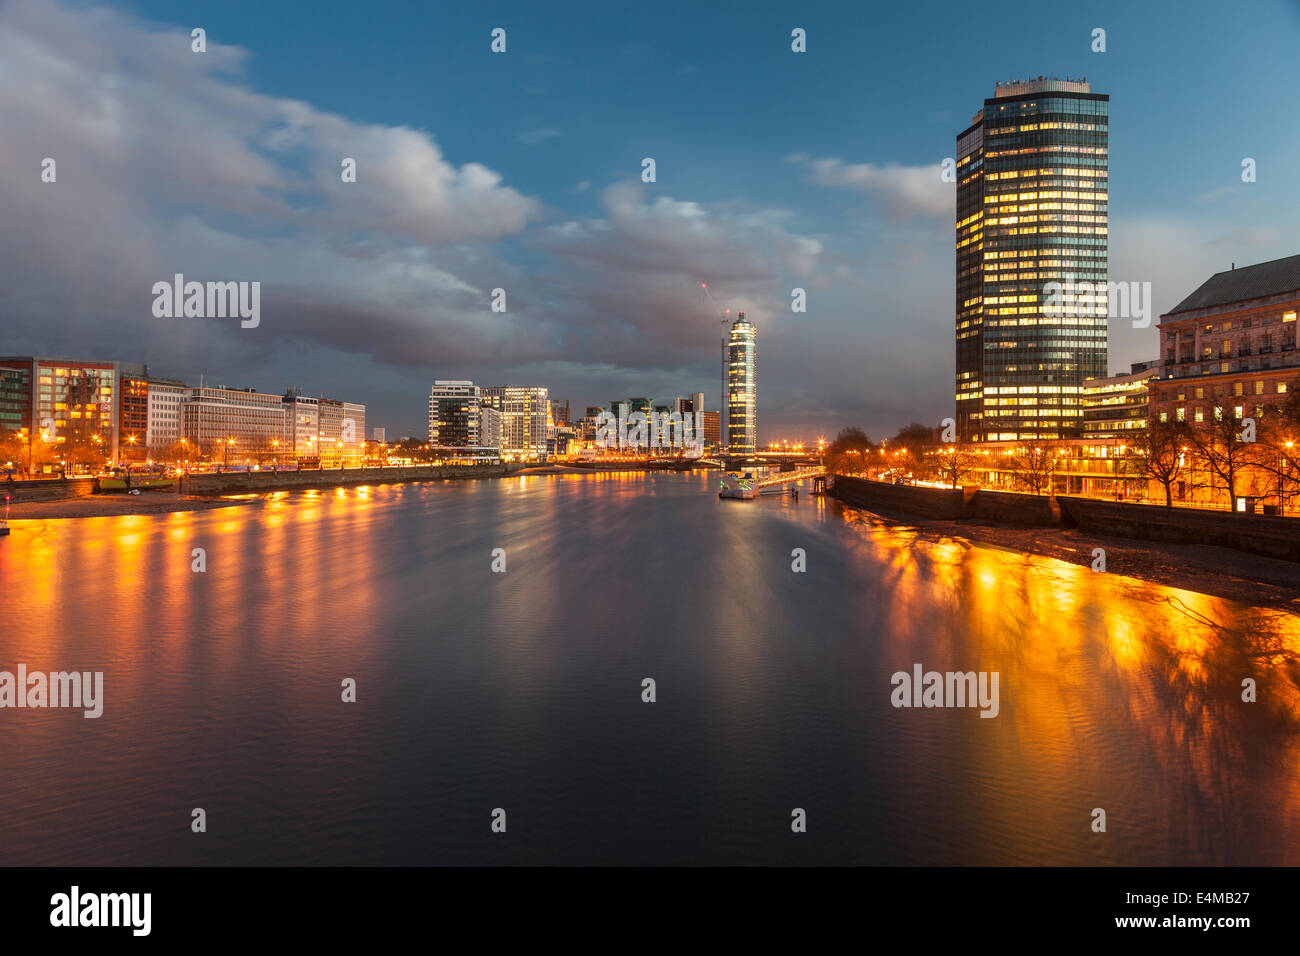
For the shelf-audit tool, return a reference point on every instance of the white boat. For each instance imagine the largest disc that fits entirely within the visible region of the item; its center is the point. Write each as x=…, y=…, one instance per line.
x=733, y=487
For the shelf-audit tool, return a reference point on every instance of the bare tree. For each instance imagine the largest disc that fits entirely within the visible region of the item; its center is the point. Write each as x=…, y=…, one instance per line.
x=1218, y=445
x=1035, y=466
x=1156, y=454
x=1280, y=449
x=954, y=462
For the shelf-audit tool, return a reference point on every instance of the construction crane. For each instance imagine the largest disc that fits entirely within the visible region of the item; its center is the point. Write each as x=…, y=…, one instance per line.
x=724, y=315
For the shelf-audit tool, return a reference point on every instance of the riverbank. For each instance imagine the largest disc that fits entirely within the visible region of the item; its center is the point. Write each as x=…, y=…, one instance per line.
x=116, y=506
x=1273, y=583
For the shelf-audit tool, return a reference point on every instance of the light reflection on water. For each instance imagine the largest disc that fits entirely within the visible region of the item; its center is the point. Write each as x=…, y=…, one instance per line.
x=523, y=690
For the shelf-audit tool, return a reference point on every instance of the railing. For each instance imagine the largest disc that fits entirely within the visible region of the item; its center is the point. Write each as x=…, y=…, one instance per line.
x=784, y=478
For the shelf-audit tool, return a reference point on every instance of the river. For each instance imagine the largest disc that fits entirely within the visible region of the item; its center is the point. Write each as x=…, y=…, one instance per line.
x=522, y=689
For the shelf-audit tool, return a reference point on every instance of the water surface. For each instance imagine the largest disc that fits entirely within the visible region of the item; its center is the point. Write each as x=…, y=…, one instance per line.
x=522, y=690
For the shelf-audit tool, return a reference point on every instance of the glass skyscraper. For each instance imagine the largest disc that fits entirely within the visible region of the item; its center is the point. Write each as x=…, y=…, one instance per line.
x=1032, y=187
x=742, y=388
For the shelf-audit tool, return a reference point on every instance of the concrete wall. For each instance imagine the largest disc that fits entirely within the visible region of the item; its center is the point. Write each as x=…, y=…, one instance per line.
x=908, y=499
x=1013, y=508
x=47, y=489
x=253, y=482
x=1274, y=537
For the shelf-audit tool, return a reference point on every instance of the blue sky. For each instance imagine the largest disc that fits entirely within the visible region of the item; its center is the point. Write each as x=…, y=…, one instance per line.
x=221, y=165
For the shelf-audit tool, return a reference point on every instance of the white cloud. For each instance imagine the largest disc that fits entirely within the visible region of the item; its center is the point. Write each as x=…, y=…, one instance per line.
x=167, y=162
x=904, y=191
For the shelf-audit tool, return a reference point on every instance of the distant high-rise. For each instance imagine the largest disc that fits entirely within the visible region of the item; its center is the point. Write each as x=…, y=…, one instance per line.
x=1032, y=181
x=742, y=388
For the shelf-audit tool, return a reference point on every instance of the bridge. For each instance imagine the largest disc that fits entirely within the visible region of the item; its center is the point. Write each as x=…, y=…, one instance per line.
x=774, y=459
x=786, y=477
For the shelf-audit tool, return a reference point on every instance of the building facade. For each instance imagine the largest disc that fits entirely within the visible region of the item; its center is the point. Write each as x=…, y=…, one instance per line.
x=1231, y=347
x=1118, y=406
x=234, y=424
x=523, y=411
x=70, y=409
x=163, y=418
x=133, y=421
x=1032, y=210
x=461, y=425
x=742, y=388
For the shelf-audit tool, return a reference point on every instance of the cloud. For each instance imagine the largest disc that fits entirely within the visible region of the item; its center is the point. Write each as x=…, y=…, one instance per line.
x=628, y=282
x=536, y=137
x=167, y=162
x=904, y=191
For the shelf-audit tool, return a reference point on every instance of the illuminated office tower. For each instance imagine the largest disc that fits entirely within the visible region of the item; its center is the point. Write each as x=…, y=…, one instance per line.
x=742, y=388
x=1032, y=187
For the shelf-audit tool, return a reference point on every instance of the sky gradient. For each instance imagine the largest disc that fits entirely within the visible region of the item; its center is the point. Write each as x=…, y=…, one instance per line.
x=521, y=171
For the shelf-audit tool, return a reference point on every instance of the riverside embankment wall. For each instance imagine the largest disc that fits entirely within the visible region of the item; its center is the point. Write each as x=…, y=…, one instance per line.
x=47, y=489
x=255, y=482
x=1275, y=537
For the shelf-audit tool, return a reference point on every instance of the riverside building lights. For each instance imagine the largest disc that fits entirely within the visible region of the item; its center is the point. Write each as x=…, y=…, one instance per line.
x=650, y=430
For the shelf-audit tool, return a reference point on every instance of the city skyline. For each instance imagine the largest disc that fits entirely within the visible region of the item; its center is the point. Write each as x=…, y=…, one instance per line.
x=601, y=270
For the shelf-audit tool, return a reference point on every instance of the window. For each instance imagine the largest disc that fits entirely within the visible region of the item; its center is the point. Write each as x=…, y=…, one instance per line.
x=1180, y=414
x=1218, y=413
x=1288, y=316
x=1200, y=414
x=1200, y=391
x=1259, y=387
x=1237, y=388
x=1164, y=416
x=1238, y=413
x=1281, y=388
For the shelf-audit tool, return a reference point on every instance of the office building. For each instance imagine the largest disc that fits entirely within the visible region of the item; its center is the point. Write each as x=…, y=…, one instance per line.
x=1032, y=211
x=461, y=424
x=1117, y=406
x=163, y=416
x=712, y=429
x=234, y=424
x=523, y=412
x=133, y=420
x=65, y=403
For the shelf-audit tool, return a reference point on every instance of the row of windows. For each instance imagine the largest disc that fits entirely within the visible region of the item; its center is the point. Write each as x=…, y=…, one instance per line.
x=1199, y=413
x=1259, y=387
